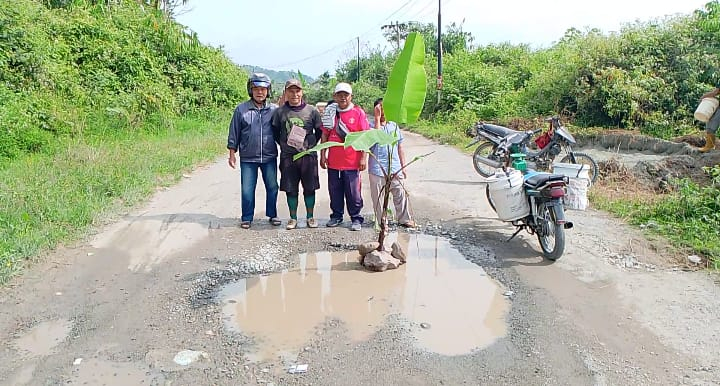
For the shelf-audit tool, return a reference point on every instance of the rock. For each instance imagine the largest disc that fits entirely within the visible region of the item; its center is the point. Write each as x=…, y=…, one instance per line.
x=366, y=248
x=77, y=361
x=186, y=357
x=398, y=253
x=380, y=261
x=695, y=259
x=425, y=326
x=630, y=262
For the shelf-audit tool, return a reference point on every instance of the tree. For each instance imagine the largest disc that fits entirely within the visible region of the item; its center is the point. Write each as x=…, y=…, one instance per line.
x=454, y=38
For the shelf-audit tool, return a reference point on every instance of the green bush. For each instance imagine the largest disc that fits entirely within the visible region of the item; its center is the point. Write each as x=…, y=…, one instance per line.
x=66, y=64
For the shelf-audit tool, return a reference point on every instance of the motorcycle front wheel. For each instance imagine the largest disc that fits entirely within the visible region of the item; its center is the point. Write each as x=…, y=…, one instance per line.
x=484, y=150
x=582, y=158
x=550, y=235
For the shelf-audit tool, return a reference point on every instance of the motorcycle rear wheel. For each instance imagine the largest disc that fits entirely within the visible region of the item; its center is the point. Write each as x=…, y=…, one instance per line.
x=582, y=158
x=484, y=150
x=552, y=240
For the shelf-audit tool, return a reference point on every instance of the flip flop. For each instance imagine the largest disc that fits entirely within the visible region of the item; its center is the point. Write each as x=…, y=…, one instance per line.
x=275, y=221
x=245, y=224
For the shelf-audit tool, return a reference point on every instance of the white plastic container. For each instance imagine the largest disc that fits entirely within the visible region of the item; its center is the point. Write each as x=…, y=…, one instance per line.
x=572, y=170
x=578, y=184
x=508, y=195
x=576, y=194
x=706, y=108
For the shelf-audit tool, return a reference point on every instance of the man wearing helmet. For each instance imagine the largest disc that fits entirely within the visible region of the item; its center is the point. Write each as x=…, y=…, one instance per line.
x=251, y=136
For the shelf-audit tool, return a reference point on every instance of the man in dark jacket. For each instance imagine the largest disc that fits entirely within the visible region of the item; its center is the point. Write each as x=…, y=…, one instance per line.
x=251, y=136
x=297, y=127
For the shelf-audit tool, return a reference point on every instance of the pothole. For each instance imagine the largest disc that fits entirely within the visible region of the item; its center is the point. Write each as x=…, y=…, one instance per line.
x=451, y=304
x=42, y=338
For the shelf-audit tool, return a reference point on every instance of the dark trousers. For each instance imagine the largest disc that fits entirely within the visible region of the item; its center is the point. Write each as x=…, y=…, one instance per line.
x=345, y=186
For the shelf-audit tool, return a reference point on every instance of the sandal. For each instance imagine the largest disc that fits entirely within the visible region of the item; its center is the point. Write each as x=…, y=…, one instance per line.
x=245, y=225
x=275, y=221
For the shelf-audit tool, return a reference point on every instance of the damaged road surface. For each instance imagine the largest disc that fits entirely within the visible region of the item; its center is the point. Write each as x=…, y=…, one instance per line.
x=176, y=293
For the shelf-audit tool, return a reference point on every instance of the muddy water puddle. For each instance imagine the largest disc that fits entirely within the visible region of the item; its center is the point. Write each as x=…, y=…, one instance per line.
x=452, y=306
x=42, y=338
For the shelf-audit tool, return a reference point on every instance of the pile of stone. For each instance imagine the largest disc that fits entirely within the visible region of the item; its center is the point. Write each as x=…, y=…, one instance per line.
x=381, y=260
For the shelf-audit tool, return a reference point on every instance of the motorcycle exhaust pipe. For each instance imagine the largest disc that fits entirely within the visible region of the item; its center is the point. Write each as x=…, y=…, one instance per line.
x=489, y=162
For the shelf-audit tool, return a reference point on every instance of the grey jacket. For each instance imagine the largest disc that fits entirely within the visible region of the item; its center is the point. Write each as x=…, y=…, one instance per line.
x=251, y=134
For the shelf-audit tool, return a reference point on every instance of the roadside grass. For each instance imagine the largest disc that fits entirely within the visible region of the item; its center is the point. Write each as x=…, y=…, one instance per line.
x=55, y=197
x=688, y=216
x=443, y=133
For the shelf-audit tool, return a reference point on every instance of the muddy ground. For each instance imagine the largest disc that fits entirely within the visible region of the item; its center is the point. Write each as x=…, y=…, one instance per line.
x=620, y=307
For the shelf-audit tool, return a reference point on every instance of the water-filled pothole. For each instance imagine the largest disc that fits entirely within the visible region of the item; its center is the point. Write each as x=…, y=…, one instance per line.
x=451, y=304
x=42, y=339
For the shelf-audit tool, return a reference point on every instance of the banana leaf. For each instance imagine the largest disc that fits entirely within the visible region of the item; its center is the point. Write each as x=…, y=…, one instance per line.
x=301, y=78
x=407, y=85
x=364, y=140
x=360, y=140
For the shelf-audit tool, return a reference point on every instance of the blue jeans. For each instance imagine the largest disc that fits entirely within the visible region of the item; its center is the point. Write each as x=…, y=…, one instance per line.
x=248, y=182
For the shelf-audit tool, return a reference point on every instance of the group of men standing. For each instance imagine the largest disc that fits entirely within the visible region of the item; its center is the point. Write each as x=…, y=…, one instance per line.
x=258, y=127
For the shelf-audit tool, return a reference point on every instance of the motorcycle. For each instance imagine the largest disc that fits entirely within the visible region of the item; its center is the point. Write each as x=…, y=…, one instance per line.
x=489, y=157
x=544, y=193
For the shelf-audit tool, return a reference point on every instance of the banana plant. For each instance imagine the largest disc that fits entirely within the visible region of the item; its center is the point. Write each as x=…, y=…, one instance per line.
x=403, y=101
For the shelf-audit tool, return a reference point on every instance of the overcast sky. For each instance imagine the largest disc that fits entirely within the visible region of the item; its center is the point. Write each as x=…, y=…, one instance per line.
x=314, y=35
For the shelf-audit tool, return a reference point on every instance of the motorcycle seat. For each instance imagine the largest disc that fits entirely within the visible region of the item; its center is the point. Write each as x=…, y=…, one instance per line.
x=540, y=179
x=500, y=131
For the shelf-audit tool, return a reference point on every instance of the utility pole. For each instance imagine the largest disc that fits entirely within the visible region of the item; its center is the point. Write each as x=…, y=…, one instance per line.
x=396, y=27
x=397, y=33
x=358, y=59
x=440, y=54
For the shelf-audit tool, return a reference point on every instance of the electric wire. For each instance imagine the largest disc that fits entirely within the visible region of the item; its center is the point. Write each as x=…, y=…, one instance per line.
x=346, y=42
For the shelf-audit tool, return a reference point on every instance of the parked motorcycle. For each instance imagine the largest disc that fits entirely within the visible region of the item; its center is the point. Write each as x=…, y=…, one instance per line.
x=545, y=216
x=489, y=157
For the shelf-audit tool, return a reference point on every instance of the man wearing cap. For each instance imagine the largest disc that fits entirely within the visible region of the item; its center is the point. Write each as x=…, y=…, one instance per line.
x=343, y=164
x=251, y=136
x=296, y=126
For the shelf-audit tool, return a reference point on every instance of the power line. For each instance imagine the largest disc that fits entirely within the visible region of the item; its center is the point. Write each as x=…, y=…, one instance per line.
x=403, y=15
x=318, y=54
x=352, y=40
x=422, y=12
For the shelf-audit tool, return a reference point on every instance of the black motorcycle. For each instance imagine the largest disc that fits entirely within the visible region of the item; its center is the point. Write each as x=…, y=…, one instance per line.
x=544, y=214
x=489, y=157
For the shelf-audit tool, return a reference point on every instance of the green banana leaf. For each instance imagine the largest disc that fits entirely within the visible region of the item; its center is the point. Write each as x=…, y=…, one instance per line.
x=407, y=85
x=364, y=140
x=301, y=78
x=318, y=147
x=360, y=140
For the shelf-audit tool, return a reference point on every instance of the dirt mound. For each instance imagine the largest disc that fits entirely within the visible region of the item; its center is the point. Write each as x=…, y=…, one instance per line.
x=619, y=140
x=656, y=177
x=692, y=140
